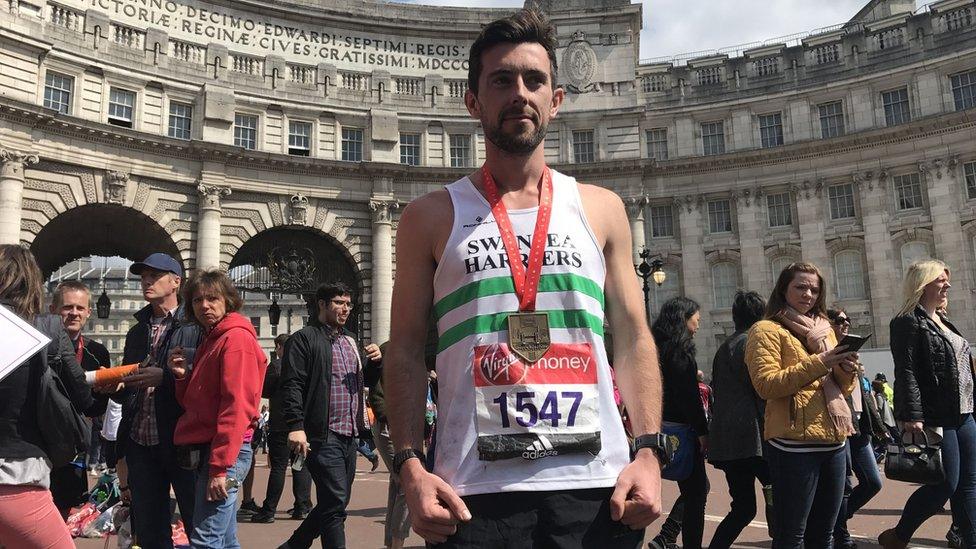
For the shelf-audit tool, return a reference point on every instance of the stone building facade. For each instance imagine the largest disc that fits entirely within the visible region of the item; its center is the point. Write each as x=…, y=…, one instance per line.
x=216, y=130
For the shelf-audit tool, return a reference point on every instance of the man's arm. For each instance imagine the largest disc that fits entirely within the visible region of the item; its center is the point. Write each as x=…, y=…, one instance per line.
x=636, y=500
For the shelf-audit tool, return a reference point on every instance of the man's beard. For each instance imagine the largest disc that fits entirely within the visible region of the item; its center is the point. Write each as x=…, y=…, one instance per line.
x=521, y=144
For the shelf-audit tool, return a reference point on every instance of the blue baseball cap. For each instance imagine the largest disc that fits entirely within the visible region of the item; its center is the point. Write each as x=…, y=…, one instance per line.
x=159, y=262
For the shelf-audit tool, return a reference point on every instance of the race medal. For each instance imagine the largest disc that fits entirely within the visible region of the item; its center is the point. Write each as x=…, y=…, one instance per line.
x=528, y=335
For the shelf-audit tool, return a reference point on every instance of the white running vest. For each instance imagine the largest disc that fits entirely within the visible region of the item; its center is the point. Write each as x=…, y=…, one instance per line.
x=523, y=419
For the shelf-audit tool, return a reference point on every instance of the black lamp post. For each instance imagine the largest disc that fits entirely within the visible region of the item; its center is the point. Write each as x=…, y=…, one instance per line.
x=103, y=306
x=647, y=271
x=274, y=312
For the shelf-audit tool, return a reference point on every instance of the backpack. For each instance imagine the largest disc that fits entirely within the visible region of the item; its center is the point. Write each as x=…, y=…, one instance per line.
x=65, y=432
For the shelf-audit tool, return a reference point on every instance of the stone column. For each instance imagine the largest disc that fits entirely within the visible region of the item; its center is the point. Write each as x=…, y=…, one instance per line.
x=382, y=253
x=12, y=165
x=749, y=208
x=635, y=213
x=695, y=273
x=945, y=183
x=811, y=215
x=884, y=281
x=208, y=225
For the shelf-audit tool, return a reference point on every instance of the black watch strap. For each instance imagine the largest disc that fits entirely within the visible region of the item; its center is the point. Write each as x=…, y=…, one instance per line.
x=403, y=456
x=656, y=442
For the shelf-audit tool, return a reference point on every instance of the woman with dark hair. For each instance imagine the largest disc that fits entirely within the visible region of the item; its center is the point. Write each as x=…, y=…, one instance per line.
x=673, y=331
x=860, y=451
x=28, y=516
x=220, y=396
x=735, y=443
x=796, y=367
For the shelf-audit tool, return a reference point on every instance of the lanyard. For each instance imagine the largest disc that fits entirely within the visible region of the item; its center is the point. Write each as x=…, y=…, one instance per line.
x=526, y=280
x=80, y=349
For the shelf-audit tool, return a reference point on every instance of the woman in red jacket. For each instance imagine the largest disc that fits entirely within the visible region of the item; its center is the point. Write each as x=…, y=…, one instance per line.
x=220, y=394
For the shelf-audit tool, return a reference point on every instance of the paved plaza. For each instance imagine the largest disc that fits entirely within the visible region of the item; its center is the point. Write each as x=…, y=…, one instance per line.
x=364, y=528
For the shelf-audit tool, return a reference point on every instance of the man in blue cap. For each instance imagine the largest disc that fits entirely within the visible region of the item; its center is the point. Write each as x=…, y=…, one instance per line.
x=148, y=459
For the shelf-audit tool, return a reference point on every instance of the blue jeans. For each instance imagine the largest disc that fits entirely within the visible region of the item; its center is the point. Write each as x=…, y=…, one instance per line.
x=865, y=468
x=807, y=492
x=959, y=462
x=215, y=522
x=152, y=469
x=332, y=463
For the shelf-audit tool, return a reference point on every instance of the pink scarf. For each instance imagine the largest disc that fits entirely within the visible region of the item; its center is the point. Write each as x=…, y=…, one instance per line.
x=813, y=332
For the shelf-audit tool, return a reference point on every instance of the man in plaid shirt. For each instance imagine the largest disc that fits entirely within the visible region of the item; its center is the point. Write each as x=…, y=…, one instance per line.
x=147, y=464
x=322, y=395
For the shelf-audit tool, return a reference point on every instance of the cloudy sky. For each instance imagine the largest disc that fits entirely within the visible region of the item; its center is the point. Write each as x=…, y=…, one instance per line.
x=680, y=26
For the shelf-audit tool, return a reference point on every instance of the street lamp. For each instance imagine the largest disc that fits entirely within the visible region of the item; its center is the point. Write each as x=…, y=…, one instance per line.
x=274, y=312
x=647, y=271
x=103, y=306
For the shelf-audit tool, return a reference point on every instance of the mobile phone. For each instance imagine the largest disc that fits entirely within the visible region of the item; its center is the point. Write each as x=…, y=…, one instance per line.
x=853, y=342
x=297, y=462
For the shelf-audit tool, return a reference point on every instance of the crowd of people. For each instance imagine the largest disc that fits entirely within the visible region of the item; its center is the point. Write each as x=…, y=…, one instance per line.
x=542, y=441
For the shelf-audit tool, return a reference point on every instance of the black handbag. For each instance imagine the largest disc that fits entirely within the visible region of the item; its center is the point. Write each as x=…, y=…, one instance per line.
x=919, y=463
x=65, y=432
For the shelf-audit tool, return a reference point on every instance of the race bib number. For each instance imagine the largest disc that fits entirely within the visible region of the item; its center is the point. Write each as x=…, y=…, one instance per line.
x=547, y=408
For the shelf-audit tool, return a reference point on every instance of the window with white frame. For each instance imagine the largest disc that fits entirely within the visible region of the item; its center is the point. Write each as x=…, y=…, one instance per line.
x=245, y=131
x=121, y=107
x=912, y=252
x=583, y=146
x=771, y=130
x=299, y=138
x=896, y=107
x=713, y=137
x=662, y=221
x=780, y=210
x=831, y=119
x=779, y=264
x=460, y=145
x=841, y=201
x=657, y=143
x=352, y=144
x=908, y=191
x=719, y=216
x=57, y=92
x=410, y=149
x=970, y=170
x=849, y=272
x=180, y=120
x=671, y=288
x=725, y=281
x=964, y=90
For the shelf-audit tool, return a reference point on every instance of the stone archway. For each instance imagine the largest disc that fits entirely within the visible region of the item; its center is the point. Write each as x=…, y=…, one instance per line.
x=103, y=230
x=332, y=262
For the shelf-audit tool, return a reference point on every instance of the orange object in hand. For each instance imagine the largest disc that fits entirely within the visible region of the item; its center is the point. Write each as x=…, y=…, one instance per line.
x=109, y=376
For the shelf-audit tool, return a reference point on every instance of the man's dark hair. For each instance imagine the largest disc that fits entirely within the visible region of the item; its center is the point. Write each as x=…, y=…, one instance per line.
x=523, y=26
x=747, y=309
x=280, y=340
x=328, y=290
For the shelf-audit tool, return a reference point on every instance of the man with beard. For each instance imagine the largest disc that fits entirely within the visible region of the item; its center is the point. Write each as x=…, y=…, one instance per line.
x=324, y=408
x=531, y=450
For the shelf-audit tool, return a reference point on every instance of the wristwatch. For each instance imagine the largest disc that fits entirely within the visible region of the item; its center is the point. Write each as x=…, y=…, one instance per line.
x=403, y=456
x=658, y=443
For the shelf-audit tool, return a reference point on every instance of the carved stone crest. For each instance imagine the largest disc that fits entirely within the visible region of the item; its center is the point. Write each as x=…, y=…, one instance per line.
x=580, y=62
x=210, y=195
x=299, y=209
x=115, y=184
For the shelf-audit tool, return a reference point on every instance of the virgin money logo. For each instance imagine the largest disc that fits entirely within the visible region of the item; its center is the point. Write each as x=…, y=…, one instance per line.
x=500, y=367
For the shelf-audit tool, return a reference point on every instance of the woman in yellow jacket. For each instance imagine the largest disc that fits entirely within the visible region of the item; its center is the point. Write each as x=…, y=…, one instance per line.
x=796, y=367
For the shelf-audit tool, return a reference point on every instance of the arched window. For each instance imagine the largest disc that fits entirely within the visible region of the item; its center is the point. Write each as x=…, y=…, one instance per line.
x=912, y=252
x=725, y=281
x=849, y=269
x=777, y=265
x=670, y=288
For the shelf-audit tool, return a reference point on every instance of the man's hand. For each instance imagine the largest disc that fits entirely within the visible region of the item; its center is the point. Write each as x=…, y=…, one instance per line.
x=911, y=426
x=435, y=508
x=636, y=500
x=144, y=377
x=373, y=352
x=177, y=362
x=217, y=488
x=298, y=442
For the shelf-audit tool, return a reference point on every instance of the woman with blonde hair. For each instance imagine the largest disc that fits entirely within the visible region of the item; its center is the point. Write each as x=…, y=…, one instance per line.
x=797, y=368
x=28, y=516
x=934, y=389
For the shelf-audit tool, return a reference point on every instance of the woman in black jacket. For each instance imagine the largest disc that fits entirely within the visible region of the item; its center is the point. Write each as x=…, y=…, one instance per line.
x=28, y=516
x=933, y=390
x=673, y=332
